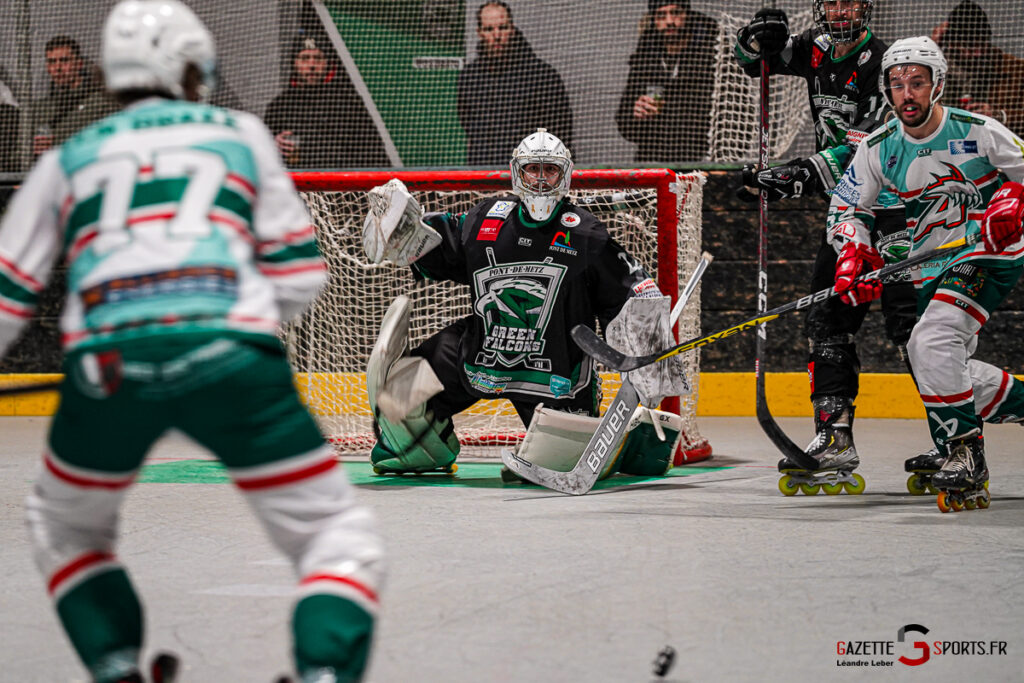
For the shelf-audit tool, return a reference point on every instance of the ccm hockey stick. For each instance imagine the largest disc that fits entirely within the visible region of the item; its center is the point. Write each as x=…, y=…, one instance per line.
x=607, y=439
x=764, y=416
x=614, y=359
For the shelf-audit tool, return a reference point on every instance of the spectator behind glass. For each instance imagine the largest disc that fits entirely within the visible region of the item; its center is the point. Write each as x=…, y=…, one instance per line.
x=982, y=78
x=319, y=120
x=665, y=107
x=508, y=92
x=10, y=118
x=75, y=99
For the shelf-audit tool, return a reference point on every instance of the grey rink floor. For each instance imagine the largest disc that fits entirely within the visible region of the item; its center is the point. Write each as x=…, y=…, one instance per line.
x=515, y=583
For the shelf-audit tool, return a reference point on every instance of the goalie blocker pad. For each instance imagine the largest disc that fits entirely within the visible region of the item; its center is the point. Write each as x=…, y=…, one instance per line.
x=398, y=387
x=556, y=440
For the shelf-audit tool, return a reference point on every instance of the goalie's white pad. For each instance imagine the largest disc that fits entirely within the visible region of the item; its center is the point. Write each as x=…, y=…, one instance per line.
x=394, y=229
x=642, y=327
x=397, y=384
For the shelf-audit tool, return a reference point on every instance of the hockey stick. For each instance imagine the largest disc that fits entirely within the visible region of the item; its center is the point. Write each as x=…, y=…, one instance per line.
x=607, y=438
x=764, y=416
x=16, y=390
x=614, y=359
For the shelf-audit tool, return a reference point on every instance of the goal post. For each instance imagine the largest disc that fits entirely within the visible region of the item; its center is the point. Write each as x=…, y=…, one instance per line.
x=654, y=213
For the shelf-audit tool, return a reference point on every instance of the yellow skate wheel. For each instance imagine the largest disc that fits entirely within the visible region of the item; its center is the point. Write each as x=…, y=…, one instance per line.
x=810, y=489
x=956, y=504
x=943, y=502
x=986, y=484
x=932, y=490
x=915, y=486
x=787, y=487
x=378, y=471
x=857, y=487
x=984, y=500
x=832, y=489
x=970, y=504
x=451, y=469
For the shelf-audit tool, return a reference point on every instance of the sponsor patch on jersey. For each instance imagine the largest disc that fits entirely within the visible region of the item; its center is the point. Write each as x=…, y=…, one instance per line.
x=864, y=57
x=891, y=162
x=817, y=54
x=851, y=82
x=963, y=146
x=559, y=386
x=488, y=384
x=489, y=229
x=848, y=188
x=926, y=152
x=570, y=219
x=646, y=288
x=561, y=243
x=525, y=241
x=501, y=209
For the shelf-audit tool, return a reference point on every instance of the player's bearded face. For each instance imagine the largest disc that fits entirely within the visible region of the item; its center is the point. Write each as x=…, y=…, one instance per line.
x=911, y=88
x=844, y=16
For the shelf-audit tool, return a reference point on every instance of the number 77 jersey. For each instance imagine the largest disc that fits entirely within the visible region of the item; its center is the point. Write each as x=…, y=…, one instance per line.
x=945, y=181
x=173, y=218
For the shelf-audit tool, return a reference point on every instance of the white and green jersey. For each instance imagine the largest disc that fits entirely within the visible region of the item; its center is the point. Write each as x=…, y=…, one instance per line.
x=173, y=218
x=944, y=180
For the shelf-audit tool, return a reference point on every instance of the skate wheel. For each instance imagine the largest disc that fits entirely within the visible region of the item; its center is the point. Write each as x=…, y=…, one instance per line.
x=932, y=490
x=378, y=471
x=970, y=504
x=451, y=469
x=956, y=504
x=810, y=489
x=984, y=500
x=856, y=487
x=943, y=502
x=787, y=487
x=832, y=489
x=986, y=484
x=915, y=486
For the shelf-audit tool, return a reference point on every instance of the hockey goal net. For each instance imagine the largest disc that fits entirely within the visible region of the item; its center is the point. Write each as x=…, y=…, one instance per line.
x=654, y=214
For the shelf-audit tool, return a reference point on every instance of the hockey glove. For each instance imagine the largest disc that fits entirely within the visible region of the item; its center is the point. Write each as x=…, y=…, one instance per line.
x=854, y=260
x=1001, y=225
x=765, y=36
x=795, y=179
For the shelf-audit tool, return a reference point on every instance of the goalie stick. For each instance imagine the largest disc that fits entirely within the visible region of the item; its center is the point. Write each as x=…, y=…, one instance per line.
x=607, y=438
x=614, y=359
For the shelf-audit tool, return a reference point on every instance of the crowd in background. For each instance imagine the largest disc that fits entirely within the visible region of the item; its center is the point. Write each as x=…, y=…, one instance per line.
x=320, y=120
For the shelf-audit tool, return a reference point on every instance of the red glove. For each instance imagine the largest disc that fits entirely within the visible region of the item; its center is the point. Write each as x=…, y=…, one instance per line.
x=854, y=260
x=1001, y=225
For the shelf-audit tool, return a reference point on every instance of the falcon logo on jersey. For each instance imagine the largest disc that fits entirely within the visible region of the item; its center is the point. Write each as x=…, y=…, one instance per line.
x=963, y=146
x=570, y=219
x=560, y=243
x=946, y=202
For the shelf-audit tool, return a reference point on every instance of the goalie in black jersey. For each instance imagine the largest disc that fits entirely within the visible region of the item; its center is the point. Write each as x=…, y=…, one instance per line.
x=536, y=265
x=840, y=60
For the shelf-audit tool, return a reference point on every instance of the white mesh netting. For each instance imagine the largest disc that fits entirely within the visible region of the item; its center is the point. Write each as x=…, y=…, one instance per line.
x=331, y=343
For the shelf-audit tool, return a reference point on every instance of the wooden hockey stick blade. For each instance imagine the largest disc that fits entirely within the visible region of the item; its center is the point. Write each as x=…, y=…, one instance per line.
x=16, y=390
x=597, y=348
x=604, y=445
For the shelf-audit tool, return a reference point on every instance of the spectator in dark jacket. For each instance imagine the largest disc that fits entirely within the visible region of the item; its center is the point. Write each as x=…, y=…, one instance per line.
x=665, y=108
x=319, y=120
x=508, y=92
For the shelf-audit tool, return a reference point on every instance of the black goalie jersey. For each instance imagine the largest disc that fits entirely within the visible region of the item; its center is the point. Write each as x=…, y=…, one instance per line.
x=530, y=285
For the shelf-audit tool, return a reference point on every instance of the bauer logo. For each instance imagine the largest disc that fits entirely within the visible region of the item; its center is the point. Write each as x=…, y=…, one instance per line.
x=911, y=647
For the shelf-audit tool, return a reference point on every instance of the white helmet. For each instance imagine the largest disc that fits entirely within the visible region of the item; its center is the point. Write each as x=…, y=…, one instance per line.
x=148, y=43
x=539, y=197
x=918, y=50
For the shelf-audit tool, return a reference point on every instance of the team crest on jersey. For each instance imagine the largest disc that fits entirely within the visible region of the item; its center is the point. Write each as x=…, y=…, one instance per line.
x=570, y=219
x=560, y=243
x=501, y=209
x=946, y=202
x=963, y=146
x=515, y=302
x=864, y=57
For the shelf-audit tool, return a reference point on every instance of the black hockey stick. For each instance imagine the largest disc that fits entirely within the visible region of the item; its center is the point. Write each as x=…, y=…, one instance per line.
x=764, y=416
x=18, y=389
x=607, y=440
x=614, y=359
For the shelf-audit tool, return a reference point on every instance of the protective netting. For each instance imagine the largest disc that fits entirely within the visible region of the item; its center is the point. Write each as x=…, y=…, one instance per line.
x=413, y=83
x=330, y=344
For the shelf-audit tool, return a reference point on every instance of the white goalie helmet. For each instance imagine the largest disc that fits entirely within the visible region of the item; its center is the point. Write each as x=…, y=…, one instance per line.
x=148, y=43
x=540, y=192
x=920, y=50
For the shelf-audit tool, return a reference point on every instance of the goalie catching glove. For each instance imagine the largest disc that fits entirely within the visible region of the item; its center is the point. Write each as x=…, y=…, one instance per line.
x=765, y=36
x=641, y=327
x=795, y=179
x=394, y=229
x=1001, y=225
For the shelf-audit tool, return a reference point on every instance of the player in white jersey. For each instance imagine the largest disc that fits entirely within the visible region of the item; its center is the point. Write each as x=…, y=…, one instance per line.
x=186, y=244
x=960, y=176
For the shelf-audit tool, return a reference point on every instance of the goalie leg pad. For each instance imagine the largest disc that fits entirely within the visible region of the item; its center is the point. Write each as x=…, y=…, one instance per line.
x=645, y=452
x=420, y=443
x=556, y=440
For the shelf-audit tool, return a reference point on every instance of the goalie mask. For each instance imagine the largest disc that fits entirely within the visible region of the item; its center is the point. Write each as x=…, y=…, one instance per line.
x=919, y=50
x=147, y=45
x=843, y=20
x=541, y=172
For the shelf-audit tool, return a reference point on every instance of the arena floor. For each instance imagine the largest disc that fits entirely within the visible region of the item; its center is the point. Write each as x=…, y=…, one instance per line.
x=516, y=583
